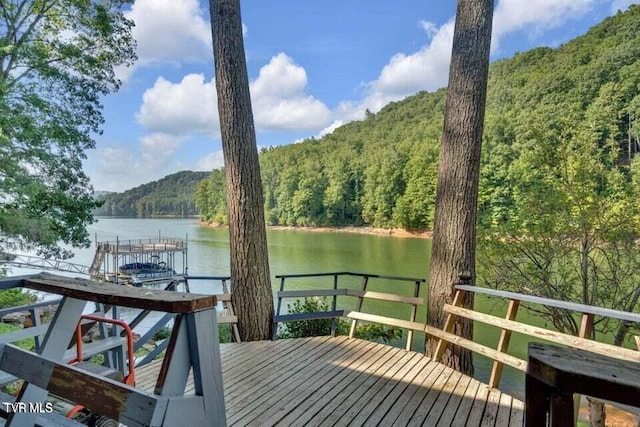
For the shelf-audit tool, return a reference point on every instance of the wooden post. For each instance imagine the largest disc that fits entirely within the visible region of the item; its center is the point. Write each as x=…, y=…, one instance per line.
x=228, y=305
x=503, y=344
x=448, y=326
x=35, y=319
x=207, y=364
x=274, y=332
x=53, y=347
x=586, y=331
x=412, y=316
x=334, y=305
x=561, y=414
x=174, y=372
x=536, y=402
x=354, y=322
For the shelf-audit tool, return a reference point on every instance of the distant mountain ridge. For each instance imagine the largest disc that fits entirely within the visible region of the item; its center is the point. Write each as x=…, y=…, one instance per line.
x=172, y=195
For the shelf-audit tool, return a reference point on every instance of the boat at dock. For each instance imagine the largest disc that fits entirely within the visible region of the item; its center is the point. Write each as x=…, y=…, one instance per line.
x=139, y=273
x=139, y=262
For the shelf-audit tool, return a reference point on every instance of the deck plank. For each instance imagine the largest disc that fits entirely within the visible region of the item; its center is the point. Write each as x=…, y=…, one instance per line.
x=464, y=409
x=517, y=413
x=368, y=389
x=326, y=381
x=254, y=358
x=346, y=397
x=475, y=416
x=252, y=405
x=443, y=398
x=400, y=388
x=430, y=399
x=504, y=410
x=432, y=370
x=383, y=389
x=276, y=366
x=457, y=398
x=429, y=391
x=329, y=395
x=491, y=410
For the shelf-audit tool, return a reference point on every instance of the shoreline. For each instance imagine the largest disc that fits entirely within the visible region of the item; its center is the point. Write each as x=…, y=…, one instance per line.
x=372, y=231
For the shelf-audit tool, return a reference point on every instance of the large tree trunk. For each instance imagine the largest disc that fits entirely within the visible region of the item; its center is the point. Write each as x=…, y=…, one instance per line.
x=454, y=234
x=250, y=279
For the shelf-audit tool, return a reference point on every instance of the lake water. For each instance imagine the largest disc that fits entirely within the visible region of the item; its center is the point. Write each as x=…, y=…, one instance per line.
x=292, y=252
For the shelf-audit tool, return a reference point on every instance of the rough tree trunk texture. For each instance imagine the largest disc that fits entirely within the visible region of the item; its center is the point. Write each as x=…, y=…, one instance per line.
x=252, y=297
x=454, y=234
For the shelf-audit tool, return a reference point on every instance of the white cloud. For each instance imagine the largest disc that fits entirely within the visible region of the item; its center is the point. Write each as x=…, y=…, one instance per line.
x=279, y=98
x=119, y=168
x=111, y=159
x=535, y=16
x=211, y=161
x=622, y=5
x=329, y=129
x=428, y=68
x=169, y=30
x=190, y=106
x=157, y=149
x=429, y=27
x=180, y=108
x=405, y=74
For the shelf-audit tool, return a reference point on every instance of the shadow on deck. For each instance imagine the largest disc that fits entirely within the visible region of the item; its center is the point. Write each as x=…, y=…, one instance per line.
x=343, y=381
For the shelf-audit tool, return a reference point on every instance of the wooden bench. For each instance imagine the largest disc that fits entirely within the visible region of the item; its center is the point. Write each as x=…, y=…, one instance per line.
x=193, y=346
x=554, y=374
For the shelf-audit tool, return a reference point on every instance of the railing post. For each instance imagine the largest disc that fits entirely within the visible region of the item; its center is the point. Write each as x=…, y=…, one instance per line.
x=412, y=316
x=354, y=322
x=586, y=331
x=448, y=326
x=228, y=305
x=334, y=305
x=503, y=344
x=35, y=319
x=274, y=332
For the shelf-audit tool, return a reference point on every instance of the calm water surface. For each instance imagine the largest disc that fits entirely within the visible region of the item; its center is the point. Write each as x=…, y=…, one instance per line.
x=292, y=252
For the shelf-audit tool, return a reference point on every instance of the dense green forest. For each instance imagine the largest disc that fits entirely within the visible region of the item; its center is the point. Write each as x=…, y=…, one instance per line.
x=172, y=195
x=382, y=171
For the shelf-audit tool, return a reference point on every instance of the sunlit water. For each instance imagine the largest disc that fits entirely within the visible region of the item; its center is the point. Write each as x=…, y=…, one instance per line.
x=292, y=251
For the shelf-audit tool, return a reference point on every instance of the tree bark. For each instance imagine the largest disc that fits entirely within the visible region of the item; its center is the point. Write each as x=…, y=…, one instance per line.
x=250, y=279
x=454, y=234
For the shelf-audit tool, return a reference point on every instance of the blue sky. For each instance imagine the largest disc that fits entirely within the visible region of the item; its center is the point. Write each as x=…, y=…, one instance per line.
x=313, y=65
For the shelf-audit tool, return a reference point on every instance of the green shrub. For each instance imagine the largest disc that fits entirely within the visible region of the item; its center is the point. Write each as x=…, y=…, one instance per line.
x=224, y=334
x=162, y=334
x=307, y=328
x=26, y=343
x=318, y=327
x=15, y=297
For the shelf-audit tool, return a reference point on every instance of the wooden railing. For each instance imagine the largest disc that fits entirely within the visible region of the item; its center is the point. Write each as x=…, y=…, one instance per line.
x=361, y=295
x=228, y=314
x=508, y=325
x=191, y=346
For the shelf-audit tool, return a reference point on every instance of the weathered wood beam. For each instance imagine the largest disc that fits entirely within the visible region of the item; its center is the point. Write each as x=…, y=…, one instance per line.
x=125, y=296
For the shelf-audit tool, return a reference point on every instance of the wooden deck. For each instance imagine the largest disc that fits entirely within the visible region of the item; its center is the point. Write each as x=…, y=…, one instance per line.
x=339, y=381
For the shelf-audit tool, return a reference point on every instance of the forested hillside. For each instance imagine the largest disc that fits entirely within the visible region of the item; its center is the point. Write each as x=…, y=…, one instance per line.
x=172, y=195
x=382, y=171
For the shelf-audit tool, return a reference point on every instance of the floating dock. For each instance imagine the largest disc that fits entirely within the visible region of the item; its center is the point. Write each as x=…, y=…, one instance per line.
x=111, y=256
